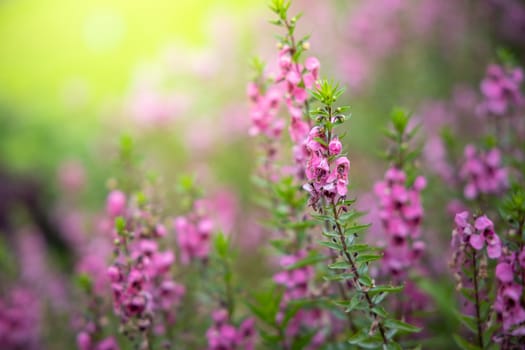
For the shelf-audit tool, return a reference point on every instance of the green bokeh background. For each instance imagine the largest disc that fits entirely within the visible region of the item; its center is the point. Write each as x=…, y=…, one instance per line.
x=53, y=50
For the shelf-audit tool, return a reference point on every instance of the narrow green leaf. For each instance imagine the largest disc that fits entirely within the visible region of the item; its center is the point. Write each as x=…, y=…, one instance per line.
x=379, y=311
x=356, y=229
x=365, y=281
x=401, y=326
x=365, y=258
x=463, y=344
x=340, y=265
x=385, y=288
x=331, y=245
x=469, y=322
x=309, y=260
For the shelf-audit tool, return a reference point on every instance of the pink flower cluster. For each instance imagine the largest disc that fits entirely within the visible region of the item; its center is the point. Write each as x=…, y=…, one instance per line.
x=508, y=305
x=476, y=235
x=401, y=214
x=296, y=281
x=290, y=87
x=85, y=342
x=140, y=274
x=224, y=336
x=326, y=169
x=20, y=320
x=263, y=111
x=483, y=172
x=194, y=235
x=501, y=90
x=298, y=78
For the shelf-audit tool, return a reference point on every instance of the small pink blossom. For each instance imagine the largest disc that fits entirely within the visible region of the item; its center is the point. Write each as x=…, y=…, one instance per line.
x=116, y=203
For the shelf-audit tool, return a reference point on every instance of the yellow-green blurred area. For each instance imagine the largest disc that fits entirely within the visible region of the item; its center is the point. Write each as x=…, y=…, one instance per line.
x=62, y=62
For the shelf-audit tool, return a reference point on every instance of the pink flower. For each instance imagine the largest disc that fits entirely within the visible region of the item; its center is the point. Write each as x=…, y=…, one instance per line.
x=508, y=306
x=342, y=166
x=504, y=272
x=312, y=75
x=107, y=344
x=298, y=129
x=114, y=274
x=335, y=146
x=483, y=173
x=160, y=230
x=501, y=90
x=116, y=203
x=401, y=214
x=477, y=235
x=224, y=336
x=83, y=341
x=485, y=227
x=252, y=90
x=194, y=237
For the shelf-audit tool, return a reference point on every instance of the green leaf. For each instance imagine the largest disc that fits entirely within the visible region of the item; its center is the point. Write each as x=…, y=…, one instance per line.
x=468, y=293
x=324, y=218
x=330, y=234
x=392, y=346
x=356, y=338
x=366, y=281
x=359, y=248
x=311, y=259
x=186, y=182
x=469, y=322
x=120, y=225
x=463, y=344
x=279, y=244
x=385, y=288
x=354, y=303
x=401, y=326
x=399, y=118
x=221, y=244
x=331, y=245
x=379, y=311
x=260, y=313
x=83, y=281
x=339, y=277
x=271, y=340
x=378, y=298
x=301, y=225
x=366, y=341
x=356, y=229
x=365, y=258
x=340, y=265
x=266, y=305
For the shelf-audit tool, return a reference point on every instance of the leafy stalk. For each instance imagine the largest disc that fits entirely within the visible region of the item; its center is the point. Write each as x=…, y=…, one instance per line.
x=342, y=234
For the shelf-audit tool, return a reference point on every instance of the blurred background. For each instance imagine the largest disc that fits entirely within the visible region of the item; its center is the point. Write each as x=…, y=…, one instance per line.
x=77, y=75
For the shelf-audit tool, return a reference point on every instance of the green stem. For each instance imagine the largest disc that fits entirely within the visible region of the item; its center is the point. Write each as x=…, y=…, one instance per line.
x=476, y=295
x=230, y=302
x=340, y=286
x=356, y=275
